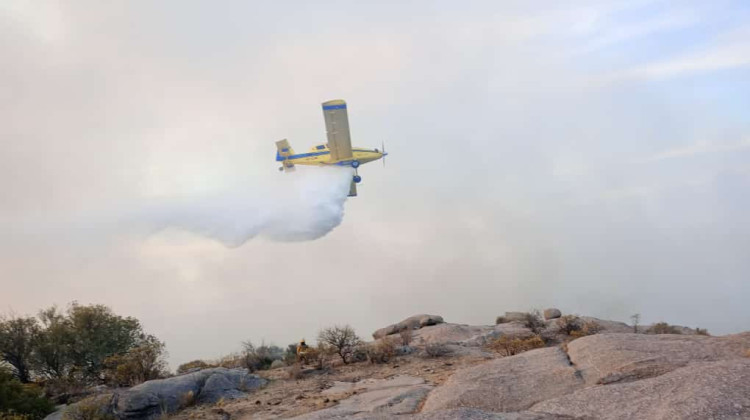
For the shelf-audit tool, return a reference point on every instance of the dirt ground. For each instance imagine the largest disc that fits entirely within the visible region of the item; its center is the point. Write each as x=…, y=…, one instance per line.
x=285, y=398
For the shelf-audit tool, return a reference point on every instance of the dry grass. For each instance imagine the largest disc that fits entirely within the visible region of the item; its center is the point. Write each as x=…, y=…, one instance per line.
x=663, y=328
x=747, y=353
x=187, y=399
x=14, y=416
x=381, y=351
x=587, y=328
x=93, y=408
x=507, y=346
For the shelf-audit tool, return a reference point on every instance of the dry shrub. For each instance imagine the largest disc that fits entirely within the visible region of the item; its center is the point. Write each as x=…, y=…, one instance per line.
x=569, y=324
x=260, y=357
x=231, y=361
x=139, y=364
x=588, y=328
x=381, y=351
x=406, y=336
x=533, y=320
x=94, y=408
x=187, y=400
x=316, y=356
x=14, y=416
x=508, y=346
x=341, y=338
x=663, y=328
x=747, y=353
x=702, y=331
x=500, y=320
x=189, y=366
x=437, y=350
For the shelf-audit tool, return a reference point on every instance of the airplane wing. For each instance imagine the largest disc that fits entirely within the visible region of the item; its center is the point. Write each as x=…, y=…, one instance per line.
x=353, y=190
x=337, y=129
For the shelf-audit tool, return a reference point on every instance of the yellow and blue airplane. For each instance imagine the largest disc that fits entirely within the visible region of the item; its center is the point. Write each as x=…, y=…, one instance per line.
x=338, y=151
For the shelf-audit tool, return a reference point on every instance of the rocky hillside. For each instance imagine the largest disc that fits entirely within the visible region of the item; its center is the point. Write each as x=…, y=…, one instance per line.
x=594, y=369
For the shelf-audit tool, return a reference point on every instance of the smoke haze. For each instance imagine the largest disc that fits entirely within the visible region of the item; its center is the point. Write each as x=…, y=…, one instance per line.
x=588, y=155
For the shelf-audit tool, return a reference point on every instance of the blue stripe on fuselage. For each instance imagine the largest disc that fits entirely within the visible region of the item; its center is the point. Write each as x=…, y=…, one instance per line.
x=329, y=107
x=301, y=155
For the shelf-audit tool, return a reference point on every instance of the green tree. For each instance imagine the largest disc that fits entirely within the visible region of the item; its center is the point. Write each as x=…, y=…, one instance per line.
x=96, y=334
x=19, y=399
x=52, y=347
x=17, y=337
x=144, y=362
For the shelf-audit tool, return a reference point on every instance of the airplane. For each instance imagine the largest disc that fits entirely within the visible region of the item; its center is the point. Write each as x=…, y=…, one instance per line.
x=338, y=151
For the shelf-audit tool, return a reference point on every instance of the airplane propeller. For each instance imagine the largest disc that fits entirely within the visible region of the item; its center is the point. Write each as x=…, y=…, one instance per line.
x=383, y=153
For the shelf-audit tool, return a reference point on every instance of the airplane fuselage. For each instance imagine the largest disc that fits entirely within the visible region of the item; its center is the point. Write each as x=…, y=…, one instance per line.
x=320, y=155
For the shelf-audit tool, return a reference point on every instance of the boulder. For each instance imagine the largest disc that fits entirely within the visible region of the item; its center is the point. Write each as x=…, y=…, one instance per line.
x=150, y=399
x=717, y=390
x=606, y=376
x=552, y=313
x=57, y=414
x=374, y=398
x=515, y=316
x=609, y=358
x=413, y=322
x=450, y=333
x=508, y=384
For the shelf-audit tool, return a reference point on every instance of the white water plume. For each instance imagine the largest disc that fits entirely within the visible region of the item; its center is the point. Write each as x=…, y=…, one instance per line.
x=301, y=206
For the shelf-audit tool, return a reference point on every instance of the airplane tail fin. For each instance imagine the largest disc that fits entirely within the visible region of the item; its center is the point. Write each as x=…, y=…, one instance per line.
x=283, y=151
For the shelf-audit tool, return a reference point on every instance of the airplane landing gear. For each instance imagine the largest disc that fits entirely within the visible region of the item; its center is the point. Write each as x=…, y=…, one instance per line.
x=355, y=164
x=357, y=179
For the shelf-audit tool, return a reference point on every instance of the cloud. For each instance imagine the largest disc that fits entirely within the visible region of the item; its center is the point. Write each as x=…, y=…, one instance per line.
x=695, y=149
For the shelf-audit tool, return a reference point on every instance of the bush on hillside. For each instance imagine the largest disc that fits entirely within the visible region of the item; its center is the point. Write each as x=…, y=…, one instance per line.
x=144, y=362
x=93, y=408
x=381, y=351
x=587, y=328
x=341, y=339
x=507, y=346
x=231, y=361
x=17, y=399
x=500, y=320
x=189, y=366
x=260, y=357
x=702, y=331
x=533, y=320
x=569, y=323
x=663, y=328
x=290, y=354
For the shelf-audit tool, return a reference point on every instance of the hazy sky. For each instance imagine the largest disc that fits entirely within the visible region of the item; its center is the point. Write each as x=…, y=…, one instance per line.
x=594, y=157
